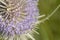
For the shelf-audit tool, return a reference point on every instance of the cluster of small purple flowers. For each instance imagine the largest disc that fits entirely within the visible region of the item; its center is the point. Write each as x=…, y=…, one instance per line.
x=27, y=23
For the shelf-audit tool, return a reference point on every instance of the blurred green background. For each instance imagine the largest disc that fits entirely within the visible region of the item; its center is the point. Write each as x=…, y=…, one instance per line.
x=50, y=29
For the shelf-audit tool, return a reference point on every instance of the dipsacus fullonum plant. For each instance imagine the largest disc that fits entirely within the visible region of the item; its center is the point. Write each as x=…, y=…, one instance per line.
x=18, y=19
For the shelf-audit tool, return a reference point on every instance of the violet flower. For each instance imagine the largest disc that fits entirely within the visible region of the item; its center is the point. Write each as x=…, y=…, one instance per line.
x=18, y=18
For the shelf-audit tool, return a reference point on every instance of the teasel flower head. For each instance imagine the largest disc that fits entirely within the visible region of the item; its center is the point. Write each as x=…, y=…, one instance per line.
x=18, y=18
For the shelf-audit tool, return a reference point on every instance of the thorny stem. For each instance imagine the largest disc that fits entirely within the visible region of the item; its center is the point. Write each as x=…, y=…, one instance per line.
x=43, y=20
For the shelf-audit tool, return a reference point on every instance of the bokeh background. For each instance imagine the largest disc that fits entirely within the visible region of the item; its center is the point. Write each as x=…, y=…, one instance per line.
x=50, y=29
